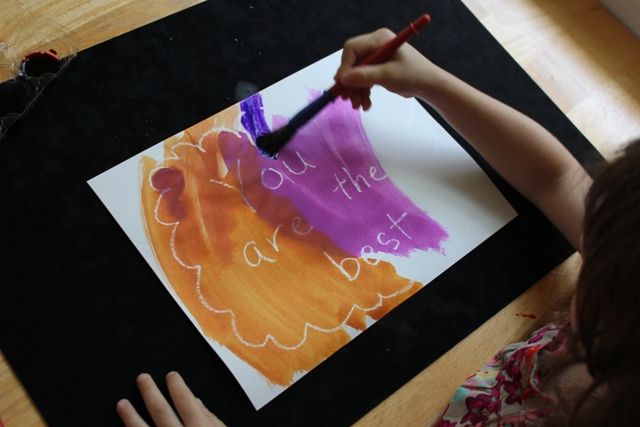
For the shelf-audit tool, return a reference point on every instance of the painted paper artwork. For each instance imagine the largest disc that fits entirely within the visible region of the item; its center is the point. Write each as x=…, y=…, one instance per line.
x=280, y=263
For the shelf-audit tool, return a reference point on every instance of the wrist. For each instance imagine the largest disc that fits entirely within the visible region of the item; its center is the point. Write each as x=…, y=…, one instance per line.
x=431, y=80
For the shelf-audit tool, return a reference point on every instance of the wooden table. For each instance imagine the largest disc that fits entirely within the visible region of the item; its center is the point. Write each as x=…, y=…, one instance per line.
x=577, y=52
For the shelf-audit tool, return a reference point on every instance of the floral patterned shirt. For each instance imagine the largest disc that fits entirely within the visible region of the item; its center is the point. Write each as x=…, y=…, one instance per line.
x=506, y=392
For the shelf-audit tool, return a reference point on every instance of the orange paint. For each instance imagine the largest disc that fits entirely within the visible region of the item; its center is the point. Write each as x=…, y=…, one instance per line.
x=256, y=282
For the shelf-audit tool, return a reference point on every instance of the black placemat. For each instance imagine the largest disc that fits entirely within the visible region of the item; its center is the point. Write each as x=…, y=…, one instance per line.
x=81, y=311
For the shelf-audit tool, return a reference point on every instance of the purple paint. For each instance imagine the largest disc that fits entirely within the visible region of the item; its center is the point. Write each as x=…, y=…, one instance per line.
x=330, y=173
x=253, y=116
x=170, y=182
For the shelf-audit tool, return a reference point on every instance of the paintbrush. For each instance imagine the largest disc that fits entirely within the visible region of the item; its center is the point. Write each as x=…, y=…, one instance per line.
x=271, y=143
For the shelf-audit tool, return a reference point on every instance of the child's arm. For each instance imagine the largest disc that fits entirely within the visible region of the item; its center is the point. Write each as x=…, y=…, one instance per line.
x=522, y=151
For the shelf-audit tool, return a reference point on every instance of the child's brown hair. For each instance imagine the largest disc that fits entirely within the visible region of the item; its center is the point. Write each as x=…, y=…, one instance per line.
x=608, y=299
x=608, y=291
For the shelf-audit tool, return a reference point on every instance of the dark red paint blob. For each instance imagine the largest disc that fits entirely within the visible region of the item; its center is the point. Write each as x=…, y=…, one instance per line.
x=38, y=63
x=168, y=179
x=528, y=316
x=170, y=182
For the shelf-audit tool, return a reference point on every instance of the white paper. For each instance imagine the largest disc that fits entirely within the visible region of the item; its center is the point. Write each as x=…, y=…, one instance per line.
x=419, y=156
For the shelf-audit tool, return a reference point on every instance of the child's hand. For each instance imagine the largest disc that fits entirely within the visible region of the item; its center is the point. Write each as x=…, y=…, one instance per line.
x=407, y=73
x=190, y=409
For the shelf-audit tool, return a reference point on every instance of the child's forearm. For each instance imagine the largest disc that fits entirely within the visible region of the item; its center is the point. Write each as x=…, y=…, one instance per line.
x=522, y=151
x=531, y=159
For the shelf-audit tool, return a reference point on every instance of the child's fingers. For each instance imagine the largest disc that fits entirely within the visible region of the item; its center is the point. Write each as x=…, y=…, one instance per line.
x=157, y=405
x=348, y=94
x=129, y=415
x=356, y=99
x=366, y=99
x=185, y=402
x=215, y=421
x=353, y=49
x=357, y=48
x=364, y=76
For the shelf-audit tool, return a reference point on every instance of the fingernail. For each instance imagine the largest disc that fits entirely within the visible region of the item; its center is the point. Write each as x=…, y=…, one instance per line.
x=143, y=377
x=172, y=374
x=122, y=403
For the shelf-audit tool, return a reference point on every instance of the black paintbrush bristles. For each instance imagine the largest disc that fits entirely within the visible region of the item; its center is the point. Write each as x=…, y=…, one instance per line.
x=271, y=143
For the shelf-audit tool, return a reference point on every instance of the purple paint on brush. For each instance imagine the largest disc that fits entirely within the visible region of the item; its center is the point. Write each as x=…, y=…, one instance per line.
x=253, y=116
x=331, y=174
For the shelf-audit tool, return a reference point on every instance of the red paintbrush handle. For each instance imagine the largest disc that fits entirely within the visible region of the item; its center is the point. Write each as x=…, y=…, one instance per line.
x=386, y=51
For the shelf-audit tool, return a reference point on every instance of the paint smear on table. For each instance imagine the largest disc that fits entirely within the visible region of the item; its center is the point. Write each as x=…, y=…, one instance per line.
x=527, y=315
x=275, y=259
